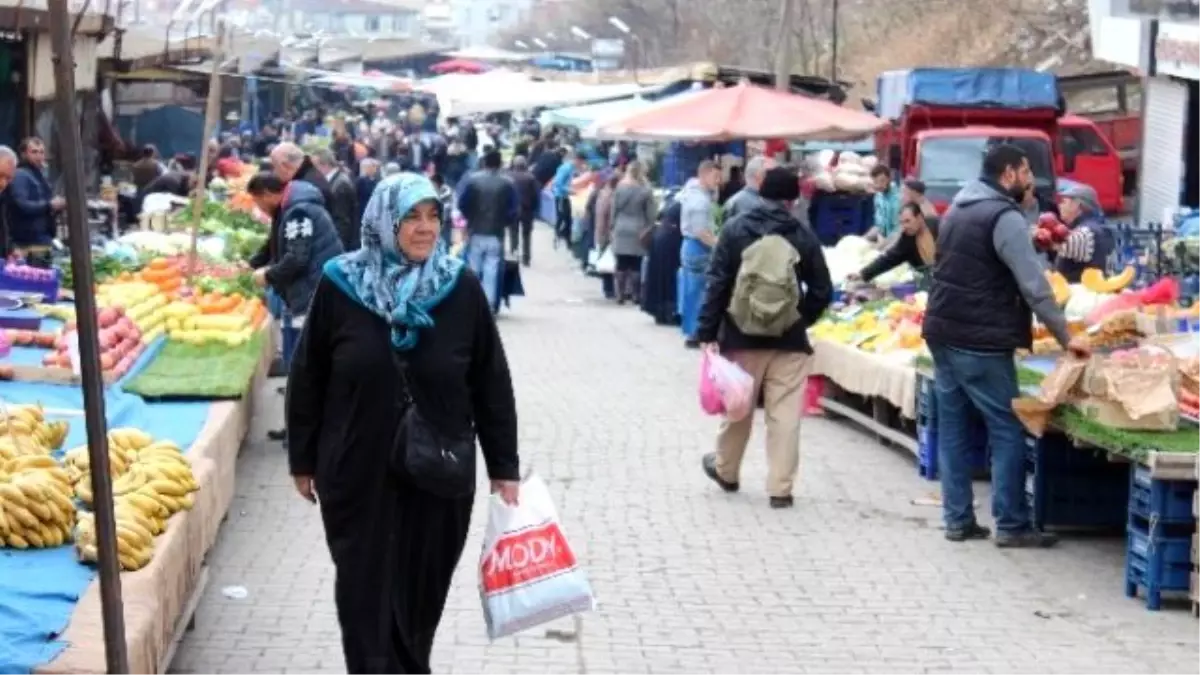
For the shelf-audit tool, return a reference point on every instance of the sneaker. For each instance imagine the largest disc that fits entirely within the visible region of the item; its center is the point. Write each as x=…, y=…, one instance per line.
x=972, y=531
x=1026, y=539
x=710, y=469
x=691, y=344
x=277, y=435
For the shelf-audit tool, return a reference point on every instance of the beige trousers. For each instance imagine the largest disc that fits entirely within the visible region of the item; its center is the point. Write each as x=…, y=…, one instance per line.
x=780, y=377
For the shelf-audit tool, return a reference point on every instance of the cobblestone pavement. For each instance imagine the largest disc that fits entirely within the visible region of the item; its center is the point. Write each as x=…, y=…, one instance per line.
x=856, y=578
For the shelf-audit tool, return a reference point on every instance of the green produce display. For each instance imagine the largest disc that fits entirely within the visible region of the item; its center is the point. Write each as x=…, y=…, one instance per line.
x=1132, y=444
x=208, y=372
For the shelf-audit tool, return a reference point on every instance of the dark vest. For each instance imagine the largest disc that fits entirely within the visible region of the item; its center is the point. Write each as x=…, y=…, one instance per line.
x=1105, y=243
x=974, y=301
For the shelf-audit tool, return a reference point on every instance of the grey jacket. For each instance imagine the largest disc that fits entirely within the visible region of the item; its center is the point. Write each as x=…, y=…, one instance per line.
x=696, y=209
x=633, y=211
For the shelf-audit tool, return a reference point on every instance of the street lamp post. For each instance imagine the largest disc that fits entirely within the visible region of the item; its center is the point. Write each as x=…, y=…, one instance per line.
x=635, y=42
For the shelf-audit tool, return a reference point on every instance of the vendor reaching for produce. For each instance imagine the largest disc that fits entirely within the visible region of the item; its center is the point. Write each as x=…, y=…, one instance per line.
x=1091, y=240
x=32, y=205
x=916, y=245
x=302, y=238
x=986, y=281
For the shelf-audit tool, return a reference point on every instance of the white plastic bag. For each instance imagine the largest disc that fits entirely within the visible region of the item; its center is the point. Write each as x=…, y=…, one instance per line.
x=606, y=262
x=528, y=574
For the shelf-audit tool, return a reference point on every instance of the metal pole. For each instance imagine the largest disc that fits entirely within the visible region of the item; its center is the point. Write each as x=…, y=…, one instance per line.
x=833, y=69
x=783, y=52
x=211, y=113
x=70, y=143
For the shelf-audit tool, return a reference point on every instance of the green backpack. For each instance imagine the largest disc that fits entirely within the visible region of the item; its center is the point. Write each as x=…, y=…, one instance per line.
x=766, y=293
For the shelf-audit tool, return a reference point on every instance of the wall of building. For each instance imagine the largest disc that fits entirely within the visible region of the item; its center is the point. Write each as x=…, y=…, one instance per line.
x=477, y=22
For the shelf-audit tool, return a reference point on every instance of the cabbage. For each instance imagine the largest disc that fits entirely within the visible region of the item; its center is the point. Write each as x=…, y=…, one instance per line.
x=852, y=253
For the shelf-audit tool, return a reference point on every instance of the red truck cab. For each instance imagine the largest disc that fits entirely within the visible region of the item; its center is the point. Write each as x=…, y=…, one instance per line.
x=944, y=120
x=946, y=159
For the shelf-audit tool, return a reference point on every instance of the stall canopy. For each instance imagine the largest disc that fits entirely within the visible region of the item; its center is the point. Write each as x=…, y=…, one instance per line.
x=465, y=66
x=583, y=116
x=505, y=91
x=743, y=112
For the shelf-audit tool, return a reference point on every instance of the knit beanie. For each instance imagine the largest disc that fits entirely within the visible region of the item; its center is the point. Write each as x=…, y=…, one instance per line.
x=780, y=184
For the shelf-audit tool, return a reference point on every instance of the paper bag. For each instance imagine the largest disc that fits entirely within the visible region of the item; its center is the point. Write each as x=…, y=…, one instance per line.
x=1135, y=392
x=1035, y=411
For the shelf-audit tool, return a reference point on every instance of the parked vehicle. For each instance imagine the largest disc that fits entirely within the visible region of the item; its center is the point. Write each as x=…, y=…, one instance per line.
x=944, y=119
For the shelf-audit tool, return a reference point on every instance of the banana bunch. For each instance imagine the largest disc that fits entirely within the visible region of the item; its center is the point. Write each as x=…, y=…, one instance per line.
x=156, y=472
x=36, y=510
x=135, y=538
x=122, y=445
x=25, y=431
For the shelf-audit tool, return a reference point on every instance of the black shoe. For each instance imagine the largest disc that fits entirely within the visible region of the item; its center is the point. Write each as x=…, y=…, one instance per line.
x=691, y=344
x=782, y=502
x=972, y=531
x=710, y=469
x=280, y=390
x=277, y=434
x=525, y=262
x=1026, y=539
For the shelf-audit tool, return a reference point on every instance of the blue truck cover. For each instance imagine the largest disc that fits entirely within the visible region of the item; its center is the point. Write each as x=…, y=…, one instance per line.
x=1015, y=88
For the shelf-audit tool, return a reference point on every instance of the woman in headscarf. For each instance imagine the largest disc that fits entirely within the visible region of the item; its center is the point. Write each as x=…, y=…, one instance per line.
x=395, y=327
x=661, y=282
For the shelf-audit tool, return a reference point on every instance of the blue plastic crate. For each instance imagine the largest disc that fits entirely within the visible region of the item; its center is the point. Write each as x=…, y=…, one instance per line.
x=1156, y=562
x=1069, y=488
x=1164, y=501
x=927, y=452
x=47, y=289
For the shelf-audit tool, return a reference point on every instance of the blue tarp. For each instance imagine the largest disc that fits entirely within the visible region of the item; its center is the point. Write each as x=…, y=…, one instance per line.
x=39, y=589
x=1016, y=88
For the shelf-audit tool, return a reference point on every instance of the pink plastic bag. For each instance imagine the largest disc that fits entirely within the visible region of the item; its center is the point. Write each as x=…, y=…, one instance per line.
x=710, y=396
x=725, y=388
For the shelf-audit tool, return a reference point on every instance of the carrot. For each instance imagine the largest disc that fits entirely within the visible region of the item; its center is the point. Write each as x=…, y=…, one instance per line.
x=159, y=264
x=155, y=276
x=221, y=306
x=171, y=284
x=260, y=315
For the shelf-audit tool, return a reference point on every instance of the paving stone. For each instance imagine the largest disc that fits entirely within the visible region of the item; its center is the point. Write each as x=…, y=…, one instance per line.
x=689, y=579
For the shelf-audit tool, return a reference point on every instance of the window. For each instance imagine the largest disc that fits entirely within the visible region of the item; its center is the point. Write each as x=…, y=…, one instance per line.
x=1082, y=141
x=402, y=24
x=371, y=25
x=947, y=163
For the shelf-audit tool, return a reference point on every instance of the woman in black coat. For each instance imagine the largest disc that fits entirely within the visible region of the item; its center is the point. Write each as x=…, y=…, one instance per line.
x=660, y=283
x=396, y=324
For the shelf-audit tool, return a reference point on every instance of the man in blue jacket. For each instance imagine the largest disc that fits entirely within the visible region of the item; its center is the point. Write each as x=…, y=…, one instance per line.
x=32, y=205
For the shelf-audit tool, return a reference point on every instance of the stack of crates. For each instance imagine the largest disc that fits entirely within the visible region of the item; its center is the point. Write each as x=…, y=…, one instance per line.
x=1162, y=523
x=1074, y=488
x=1194, y=587
x=927, y=448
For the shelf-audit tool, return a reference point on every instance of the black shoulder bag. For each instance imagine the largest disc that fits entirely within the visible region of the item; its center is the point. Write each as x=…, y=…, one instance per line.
x=433, y=461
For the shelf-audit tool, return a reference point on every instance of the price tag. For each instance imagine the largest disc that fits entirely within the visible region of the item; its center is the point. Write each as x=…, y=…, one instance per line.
x=73, y=352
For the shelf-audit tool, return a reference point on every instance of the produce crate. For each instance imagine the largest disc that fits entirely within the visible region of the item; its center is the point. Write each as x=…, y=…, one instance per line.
x=47, y=289
x=1165, y=501
x=927, y=447
x=1157, y=560
x=1074, y=488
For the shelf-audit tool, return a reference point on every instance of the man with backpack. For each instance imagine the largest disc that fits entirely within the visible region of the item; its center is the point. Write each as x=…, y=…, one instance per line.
x=767, y=283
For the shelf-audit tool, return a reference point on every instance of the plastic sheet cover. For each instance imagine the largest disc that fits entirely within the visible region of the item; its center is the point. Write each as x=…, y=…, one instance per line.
x=1016, y=88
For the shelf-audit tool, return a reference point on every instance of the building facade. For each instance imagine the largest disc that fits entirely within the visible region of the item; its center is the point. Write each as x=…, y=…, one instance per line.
x=478, y=22
x=1159, y=39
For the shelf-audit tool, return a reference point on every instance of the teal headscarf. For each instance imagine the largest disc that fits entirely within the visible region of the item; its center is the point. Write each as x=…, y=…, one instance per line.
x=379, y=277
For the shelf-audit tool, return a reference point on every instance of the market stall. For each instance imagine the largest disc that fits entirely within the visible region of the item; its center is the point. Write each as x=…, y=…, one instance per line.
x=1113, y=441
x=183, y=343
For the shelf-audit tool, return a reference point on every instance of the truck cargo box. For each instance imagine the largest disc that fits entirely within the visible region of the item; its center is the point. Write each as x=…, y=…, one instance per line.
x=1011, y=88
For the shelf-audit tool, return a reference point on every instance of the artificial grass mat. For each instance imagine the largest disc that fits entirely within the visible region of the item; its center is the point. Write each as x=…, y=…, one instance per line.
x=205, y=372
